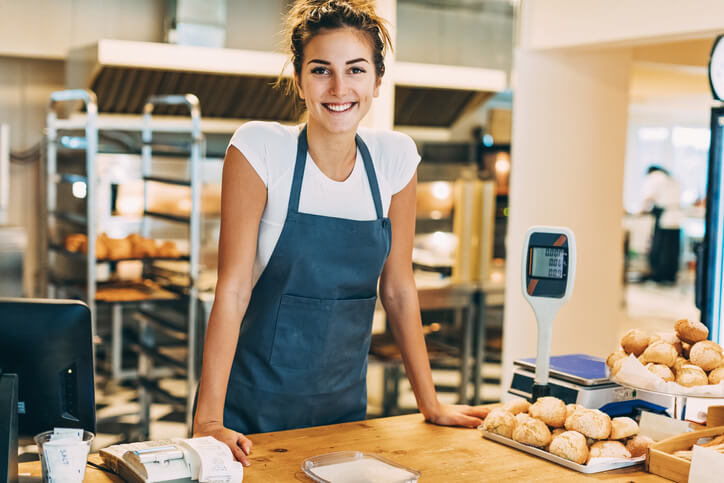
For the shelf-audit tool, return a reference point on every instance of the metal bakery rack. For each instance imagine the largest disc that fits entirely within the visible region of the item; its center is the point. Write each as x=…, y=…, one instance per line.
x=82, y=185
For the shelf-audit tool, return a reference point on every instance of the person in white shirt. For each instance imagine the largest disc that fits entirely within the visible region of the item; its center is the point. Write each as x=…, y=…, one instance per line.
x=661, y=198
x=312, y=218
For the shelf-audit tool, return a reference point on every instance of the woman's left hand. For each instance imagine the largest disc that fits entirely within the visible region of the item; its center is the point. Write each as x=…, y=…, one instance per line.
x=458, y=415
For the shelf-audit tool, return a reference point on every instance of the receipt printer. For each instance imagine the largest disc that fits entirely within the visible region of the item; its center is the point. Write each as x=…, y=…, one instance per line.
x=8, y=428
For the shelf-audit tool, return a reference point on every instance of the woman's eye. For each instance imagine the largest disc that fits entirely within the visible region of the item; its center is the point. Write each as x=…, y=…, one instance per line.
x=357, y=70
x=319, y=70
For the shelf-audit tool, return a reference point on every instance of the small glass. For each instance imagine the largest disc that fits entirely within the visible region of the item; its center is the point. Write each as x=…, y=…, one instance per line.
x=63, y=460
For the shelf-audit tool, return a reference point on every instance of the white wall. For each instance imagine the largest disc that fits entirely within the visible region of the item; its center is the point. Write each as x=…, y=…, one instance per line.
x=454, y=37
x=48, y=28
x=25, y=86
x=568, y=150
x=576, y=23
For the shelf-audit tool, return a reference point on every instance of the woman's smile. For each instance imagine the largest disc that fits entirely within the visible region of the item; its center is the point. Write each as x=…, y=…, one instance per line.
x=339, y=107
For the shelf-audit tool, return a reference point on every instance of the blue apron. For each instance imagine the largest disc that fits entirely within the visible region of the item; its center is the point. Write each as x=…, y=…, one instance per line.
x=301, y=359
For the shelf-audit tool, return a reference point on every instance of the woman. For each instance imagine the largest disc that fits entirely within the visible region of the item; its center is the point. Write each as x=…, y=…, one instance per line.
x=312, y=216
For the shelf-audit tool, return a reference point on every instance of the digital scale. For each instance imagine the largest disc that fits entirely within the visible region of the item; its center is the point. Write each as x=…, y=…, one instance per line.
x=547, y=274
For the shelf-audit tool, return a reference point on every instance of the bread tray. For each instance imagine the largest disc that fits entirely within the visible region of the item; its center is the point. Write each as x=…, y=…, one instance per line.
x=604, y=465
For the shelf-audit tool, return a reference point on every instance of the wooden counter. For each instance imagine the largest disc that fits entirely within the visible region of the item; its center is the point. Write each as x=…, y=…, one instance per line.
x=441, y=453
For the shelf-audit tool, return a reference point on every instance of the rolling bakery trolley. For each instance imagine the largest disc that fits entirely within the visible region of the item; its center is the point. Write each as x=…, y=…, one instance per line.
x=82, y=191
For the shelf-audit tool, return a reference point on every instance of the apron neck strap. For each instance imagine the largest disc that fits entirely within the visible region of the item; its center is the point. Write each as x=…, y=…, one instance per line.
x=371, y=176
x=299, y=165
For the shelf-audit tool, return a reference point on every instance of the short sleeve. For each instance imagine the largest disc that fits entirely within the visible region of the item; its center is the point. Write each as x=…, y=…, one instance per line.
x=251, y=140
x=406, y=161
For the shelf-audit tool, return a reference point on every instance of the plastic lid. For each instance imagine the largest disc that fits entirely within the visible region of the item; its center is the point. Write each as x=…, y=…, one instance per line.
x=357, y=467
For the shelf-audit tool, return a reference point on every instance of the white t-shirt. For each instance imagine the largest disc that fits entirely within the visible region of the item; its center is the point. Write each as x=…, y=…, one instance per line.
x=663, y=191
x=271, y=149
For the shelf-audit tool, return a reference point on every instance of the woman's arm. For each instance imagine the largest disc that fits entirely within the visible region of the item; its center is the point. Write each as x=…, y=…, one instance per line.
x=243, y=198
x=399, y=298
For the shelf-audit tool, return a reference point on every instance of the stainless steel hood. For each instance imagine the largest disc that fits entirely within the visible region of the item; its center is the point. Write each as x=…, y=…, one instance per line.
x=238, y=84
x=230, y=83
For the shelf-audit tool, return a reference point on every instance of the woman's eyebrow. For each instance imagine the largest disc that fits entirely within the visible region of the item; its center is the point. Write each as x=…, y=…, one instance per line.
x=325, y=62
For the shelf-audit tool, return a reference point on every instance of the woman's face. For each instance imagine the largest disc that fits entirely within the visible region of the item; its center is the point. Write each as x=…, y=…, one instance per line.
x=337, y=80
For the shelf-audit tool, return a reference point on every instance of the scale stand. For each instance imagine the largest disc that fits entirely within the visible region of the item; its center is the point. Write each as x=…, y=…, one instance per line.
x=548, y=272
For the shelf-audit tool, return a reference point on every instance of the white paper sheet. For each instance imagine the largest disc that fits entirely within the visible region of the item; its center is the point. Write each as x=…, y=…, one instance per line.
x=707, y=466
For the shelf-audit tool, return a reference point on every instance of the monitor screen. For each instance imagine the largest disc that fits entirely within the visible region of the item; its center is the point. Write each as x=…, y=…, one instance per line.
x=47, y=343
x=547, y=262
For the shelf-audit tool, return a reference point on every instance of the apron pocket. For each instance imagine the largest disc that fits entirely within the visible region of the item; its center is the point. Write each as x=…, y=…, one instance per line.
x=301, y=332
x=312, y=333
x=350, y=327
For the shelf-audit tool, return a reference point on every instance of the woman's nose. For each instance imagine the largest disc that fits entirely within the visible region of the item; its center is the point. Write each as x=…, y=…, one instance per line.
x=339, y=86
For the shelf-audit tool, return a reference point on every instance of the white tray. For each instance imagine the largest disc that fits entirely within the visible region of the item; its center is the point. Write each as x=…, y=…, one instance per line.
x=606, y=464
x=348, y=466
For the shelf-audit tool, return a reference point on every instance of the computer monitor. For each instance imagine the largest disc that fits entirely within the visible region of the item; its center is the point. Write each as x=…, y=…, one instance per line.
x=48, y=344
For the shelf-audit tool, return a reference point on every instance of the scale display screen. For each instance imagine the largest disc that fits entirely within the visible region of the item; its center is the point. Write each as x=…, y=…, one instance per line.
x=547, y=262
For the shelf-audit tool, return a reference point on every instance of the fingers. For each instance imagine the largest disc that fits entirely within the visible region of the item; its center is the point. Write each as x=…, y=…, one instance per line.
x=242, y=449
x=477, y=411
x=239, y=454
x=245, y=443
x=469, y=421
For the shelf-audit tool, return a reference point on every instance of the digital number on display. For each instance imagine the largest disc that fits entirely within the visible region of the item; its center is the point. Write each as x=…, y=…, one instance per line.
x=547, y=262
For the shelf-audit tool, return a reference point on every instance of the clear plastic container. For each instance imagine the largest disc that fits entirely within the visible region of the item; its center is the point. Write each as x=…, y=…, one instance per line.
x=357, y=467
x=63, y=460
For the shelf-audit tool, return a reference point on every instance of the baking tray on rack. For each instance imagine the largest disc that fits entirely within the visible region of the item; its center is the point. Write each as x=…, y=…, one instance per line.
x=605, y=464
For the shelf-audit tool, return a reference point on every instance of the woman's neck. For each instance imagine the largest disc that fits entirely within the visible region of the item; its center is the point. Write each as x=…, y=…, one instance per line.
x=333, y=153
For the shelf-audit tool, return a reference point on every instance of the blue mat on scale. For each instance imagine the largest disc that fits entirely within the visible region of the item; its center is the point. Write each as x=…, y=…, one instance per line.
x=587, y=369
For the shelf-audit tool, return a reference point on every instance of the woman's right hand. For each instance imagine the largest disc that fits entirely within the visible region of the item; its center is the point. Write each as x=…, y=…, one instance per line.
x=239, y=444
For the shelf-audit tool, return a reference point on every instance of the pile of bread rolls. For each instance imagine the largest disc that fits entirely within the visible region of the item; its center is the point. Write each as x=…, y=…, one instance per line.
x=684, y=356
x=570, y=431
x=133, y=246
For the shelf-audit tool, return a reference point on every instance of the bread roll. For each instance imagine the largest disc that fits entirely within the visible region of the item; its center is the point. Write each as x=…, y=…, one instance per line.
x=500, y=421
x=635, y=342
x=102, y=247
x=622, y=428
x=533, y=432
x=680, y=361
x=706, y=355
x=570, y=445
x=608, y=449
x=119, y=248
x=591, y=423
x=168, y=249
x=662, y=371
x=572, y=408
x=660, y=353
x=617, y=366
x=690, y=375
x=613, y=357
x=716, y=376
x=516, y=406
x=690, y=331
x=639, y=445
x=75, y=242
x=685, y=348
x=669, y=338
x=550, y=410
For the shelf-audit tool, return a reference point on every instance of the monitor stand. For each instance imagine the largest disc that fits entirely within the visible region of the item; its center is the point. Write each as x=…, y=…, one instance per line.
x=8, y=428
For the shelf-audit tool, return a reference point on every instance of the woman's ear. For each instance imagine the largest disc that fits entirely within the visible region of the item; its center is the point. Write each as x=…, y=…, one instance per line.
x=298, y=82
x=378, y=83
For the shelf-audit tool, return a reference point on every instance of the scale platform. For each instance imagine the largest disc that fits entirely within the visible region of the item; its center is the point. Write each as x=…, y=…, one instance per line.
x=577, y=368
x=574, y=378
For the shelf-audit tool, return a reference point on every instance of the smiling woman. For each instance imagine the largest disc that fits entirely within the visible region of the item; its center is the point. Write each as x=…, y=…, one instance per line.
x=312, y=217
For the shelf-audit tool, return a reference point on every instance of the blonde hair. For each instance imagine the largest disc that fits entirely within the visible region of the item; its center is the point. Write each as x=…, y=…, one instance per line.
x=308, y=18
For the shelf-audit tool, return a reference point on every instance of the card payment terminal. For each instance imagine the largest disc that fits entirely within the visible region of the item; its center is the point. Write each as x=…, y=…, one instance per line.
x=548, y=272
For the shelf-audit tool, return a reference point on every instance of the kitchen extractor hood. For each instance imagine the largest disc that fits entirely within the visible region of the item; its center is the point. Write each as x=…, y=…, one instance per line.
x=238, y=84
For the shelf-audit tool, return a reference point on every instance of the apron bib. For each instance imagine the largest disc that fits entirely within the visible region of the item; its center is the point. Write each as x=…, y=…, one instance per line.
x=301, y=358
